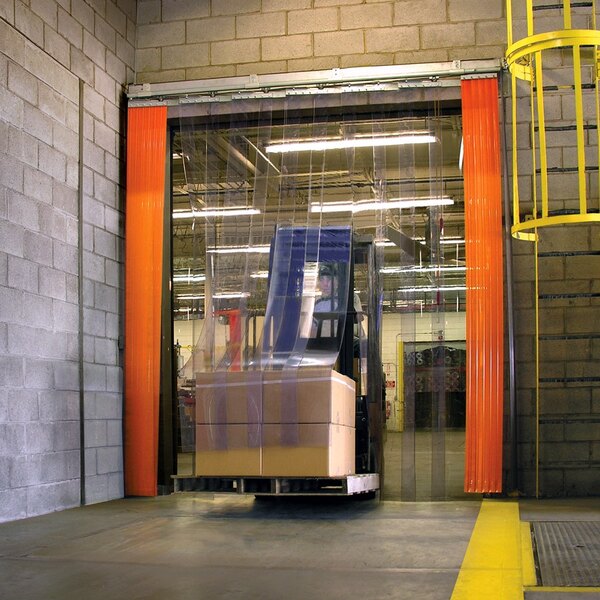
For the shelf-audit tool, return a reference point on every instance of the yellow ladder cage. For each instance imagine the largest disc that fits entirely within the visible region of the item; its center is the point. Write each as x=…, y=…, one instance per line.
x=563, y=36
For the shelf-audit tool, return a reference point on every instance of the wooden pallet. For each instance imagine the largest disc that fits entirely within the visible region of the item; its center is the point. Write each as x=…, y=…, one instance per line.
x=281, y=486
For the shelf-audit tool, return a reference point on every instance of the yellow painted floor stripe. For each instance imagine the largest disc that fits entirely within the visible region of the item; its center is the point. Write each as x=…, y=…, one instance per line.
x=492, y=566
x=527, y=561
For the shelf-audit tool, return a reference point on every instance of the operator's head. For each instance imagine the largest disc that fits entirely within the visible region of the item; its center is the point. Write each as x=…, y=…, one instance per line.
x=326, y=273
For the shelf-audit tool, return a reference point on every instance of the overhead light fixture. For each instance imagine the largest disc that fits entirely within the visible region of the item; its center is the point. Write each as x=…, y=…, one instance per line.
x=452, y=241
x=189, y=278
x=189, y=297
x=447, y=241
x=384, y=243
x=355, y=142
x=449, y=288
x=230, y=296
x=234, y=211
x=260, y=275
x=417, y=269
x=260, y=249
x=389, y=244
x=368, y=205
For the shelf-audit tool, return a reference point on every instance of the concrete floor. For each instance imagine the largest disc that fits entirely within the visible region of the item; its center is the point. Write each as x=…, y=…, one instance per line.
x=194, y=546
x=233, y=547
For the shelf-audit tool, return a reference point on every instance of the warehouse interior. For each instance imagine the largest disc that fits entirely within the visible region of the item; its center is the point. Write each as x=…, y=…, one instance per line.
x=79, y=430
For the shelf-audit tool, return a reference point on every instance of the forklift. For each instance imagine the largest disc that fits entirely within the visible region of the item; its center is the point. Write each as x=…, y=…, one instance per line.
x=326, y=328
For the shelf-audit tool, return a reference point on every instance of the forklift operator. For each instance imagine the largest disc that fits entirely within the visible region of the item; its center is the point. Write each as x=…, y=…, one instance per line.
x=326, y=304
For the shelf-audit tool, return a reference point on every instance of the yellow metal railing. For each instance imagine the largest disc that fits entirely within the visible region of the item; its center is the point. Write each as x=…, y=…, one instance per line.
x=525, y=58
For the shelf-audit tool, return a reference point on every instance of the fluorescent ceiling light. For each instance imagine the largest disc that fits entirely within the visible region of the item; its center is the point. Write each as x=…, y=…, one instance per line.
x=356, y=142
x=217, y=296
x=262, y=249
x=449, y=288
x=231, y=296
x=445, y=240
x=260, y=275
x=234, y=211
x=388, y=244
x=189, y=278
x=367, y=205
x=417, y=269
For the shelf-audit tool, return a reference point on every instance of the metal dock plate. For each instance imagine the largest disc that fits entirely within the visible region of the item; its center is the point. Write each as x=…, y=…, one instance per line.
x=568, y=553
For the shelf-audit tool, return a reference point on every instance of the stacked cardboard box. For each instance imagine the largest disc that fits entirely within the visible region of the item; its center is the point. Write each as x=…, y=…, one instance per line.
x=228, y=423
x=275, y=423
x=308, y=423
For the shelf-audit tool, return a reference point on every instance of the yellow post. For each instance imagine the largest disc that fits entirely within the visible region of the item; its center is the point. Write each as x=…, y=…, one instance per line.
x=400, y=386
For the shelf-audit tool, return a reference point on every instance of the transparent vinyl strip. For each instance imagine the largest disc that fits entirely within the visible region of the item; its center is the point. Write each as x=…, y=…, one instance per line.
x=265, y=227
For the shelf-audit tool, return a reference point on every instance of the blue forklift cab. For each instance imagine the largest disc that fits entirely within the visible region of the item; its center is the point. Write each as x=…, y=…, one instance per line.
x=298, y=255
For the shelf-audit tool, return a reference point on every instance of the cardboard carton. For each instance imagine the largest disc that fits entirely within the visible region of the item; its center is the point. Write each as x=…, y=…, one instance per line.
x=309, y=395
x=308, y=450
x=233, y=397
x=228, y=450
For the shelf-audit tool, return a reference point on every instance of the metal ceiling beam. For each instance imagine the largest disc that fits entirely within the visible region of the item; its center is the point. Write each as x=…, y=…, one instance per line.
x=406, y=243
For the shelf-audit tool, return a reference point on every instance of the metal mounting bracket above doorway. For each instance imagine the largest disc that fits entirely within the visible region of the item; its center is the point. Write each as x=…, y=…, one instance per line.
x=379, y=78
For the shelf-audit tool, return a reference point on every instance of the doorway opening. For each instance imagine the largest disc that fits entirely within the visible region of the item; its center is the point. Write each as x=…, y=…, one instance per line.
x=391, y=171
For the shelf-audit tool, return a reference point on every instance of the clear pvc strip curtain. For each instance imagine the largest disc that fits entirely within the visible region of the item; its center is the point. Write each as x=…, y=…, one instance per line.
x=275, y=278
x=485, y=319
x=256, y=226
x=261, y=222
x=146, y=155
x=430, y=335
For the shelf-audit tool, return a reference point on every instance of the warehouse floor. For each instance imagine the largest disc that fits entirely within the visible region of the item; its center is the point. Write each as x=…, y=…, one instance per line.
x=229, y=547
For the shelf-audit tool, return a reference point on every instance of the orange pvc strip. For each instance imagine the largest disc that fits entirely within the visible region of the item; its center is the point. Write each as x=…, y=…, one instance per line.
x=146, y=151
x=485, y=317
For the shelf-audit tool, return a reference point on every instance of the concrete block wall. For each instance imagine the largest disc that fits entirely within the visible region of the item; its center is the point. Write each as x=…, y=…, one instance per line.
x=197, y=39
x=569, y=269
x=46, y=49
x=568, y=416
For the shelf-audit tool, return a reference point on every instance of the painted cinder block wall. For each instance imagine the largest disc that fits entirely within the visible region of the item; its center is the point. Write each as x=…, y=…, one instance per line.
x=59, y=333
x=567, y=410
x=189, y=39
x=197, y=39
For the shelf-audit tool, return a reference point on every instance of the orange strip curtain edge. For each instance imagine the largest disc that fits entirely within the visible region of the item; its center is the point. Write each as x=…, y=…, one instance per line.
x=146, y=150
x=485, y=316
